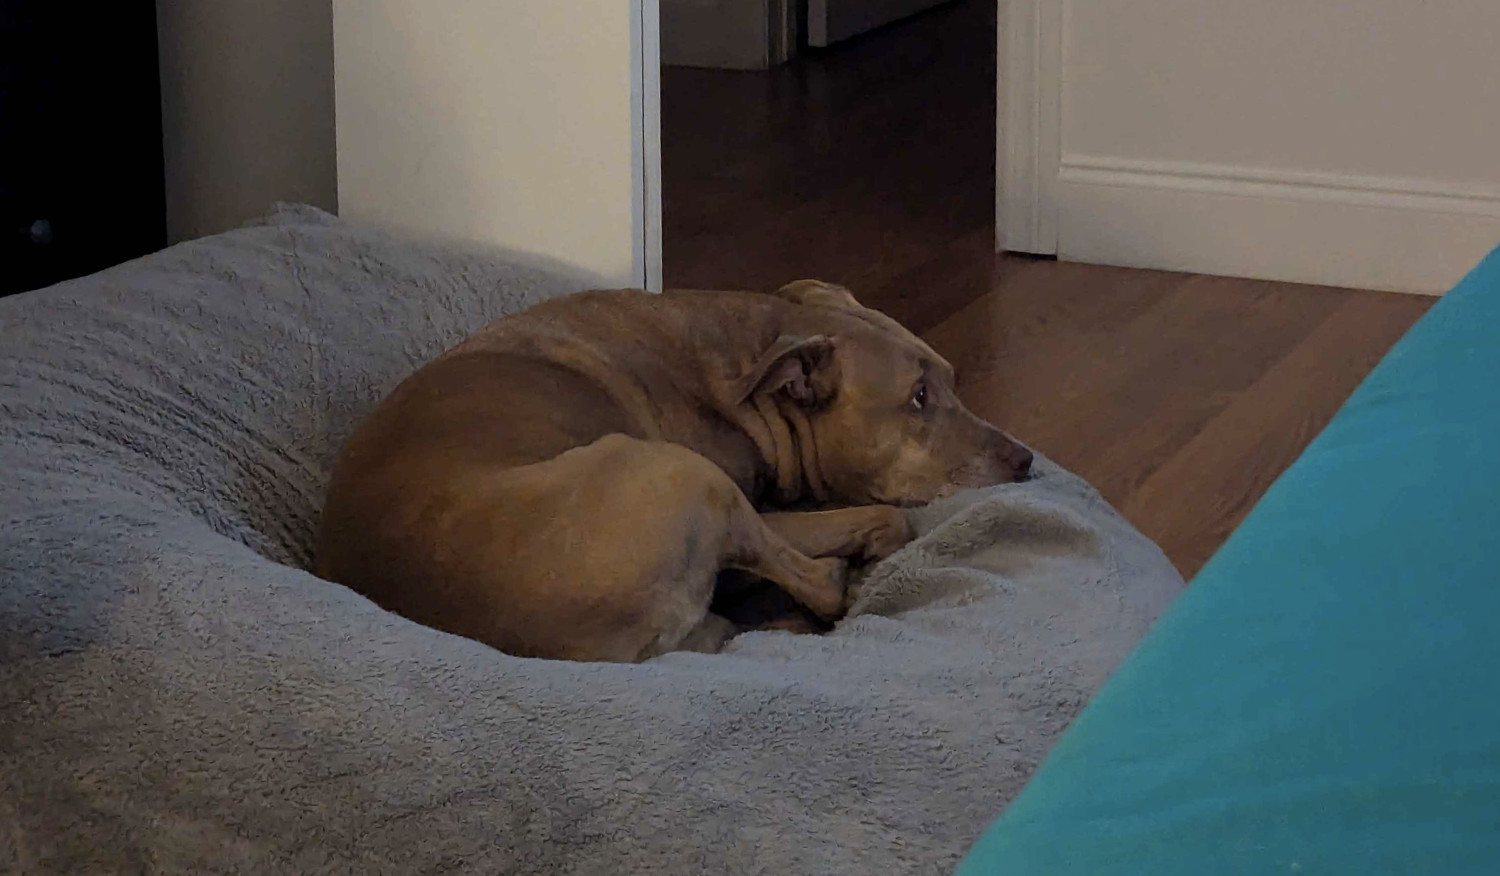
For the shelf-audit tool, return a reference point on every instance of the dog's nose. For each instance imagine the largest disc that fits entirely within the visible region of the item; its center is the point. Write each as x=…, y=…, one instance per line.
x=1020, y=462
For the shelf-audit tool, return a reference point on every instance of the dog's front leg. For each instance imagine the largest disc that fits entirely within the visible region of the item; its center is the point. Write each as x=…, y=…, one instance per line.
x=868, y=532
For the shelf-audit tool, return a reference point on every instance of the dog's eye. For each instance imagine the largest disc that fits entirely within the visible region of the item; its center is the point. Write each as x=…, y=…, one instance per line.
x=919, y=396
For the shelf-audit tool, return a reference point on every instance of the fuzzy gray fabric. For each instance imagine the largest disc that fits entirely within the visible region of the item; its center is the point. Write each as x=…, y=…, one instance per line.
x=178, y=695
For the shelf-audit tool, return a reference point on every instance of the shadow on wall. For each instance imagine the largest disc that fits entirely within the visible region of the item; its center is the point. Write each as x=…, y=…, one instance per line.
x=247, y=109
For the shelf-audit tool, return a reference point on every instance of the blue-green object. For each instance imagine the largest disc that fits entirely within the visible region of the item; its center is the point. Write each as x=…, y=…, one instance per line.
x=1325, y=697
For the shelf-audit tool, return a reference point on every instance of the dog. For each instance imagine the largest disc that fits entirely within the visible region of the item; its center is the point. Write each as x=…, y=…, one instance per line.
x=569, y=481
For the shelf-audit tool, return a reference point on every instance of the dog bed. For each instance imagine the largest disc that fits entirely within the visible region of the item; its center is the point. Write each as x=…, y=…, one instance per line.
x=179, y=694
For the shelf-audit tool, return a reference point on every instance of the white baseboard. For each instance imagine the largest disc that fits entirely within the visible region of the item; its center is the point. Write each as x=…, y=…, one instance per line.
x=1331, y=229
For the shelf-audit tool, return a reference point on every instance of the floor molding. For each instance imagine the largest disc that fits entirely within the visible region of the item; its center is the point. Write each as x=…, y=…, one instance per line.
x=1388, y=233
x=1381, y=191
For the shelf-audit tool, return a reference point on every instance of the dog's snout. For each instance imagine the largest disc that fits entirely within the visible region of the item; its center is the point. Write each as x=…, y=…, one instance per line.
x=1008, y=456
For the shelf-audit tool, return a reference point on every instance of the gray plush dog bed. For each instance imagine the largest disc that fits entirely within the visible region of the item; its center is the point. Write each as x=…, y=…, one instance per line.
x=177, y=693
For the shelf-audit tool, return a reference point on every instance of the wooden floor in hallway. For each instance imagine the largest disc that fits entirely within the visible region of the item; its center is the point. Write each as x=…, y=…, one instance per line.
x=1180, y=397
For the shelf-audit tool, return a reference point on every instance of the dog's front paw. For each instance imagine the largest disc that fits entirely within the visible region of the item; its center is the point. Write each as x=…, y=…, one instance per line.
x=827, y=597
x=889, y=531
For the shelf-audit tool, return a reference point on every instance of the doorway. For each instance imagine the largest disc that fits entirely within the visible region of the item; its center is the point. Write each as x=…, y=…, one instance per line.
x=869, y=163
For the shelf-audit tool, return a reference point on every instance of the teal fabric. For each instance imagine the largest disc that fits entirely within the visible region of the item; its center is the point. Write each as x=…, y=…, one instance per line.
x=1325, y=697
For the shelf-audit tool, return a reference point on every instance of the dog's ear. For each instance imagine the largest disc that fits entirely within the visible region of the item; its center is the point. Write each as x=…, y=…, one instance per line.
x=818, y=292
x=799, y=366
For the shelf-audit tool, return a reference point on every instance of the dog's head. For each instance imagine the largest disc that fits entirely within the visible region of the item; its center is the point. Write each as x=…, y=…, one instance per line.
x=878, y=406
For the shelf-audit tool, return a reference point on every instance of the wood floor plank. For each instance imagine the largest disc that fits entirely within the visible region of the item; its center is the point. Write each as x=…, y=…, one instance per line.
x=1040, y=302
x=1194, y=501
x=1163, y=382
x=1115, y=400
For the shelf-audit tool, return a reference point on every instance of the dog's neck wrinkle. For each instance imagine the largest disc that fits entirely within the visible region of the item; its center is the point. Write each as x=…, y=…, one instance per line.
x=807, y=451
x=784, y=462
x=787, y=453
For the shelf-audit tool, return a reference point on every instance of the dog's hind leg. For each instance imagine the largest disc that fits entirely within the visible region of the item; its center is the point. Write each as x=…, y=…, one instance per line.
x=713, y=510
x=624, y=539
x=709, y=636
x=816, y=583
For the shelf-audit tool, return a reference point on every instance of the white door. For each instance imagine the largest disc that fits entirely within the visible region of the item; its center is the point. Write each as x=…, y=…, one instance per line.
x=1346, y=142
x=529, y=125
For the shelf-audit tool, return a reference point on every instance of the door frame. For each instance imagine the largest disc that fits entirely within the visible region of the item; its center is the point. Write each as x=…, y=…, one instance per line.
x=1028, y=115
x=1029, y=91
x=645, y=40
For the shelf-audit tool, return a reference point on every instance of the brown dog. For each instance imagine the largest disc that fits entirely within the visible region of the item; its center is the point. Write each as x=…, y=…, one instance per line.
x=569, y=481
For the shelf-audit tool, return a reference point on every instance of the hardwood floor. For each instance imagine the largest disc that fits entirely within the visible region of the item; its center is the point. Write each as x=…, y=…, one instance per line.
x=1180, y=397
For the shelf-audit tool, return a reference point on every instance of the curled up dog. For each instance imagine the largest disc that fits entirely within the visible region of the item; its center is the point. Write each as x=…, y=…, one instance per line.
x=570, y=481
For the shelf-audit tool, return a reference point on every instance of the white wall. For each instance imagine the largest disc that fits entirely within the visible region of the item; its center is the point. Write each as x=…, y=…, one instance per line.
x=516, y=123
x=247, y=109
x=1352, y=142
